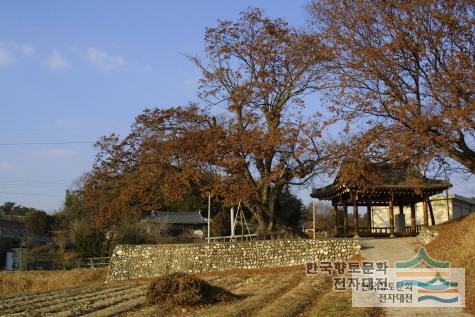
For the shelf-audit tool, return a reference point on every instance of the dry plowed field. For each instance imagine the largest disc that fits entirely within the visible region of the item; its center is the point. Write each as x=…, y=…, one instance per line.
x=277, y=293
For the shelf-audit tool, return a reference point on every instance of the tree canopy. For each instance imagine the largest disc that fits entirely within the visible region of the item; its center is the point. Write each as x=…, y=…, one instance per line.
x=10, y=208
x=404, y=70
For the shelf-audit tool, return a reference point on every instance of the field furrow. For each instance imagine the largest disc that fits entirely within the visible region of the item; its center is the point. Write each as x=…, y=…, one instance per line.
x=86, y=309
x=67, y=305
x=276, y=293
x=52, y=297
x=296, y=300
x=261, y=290
x=129, y=304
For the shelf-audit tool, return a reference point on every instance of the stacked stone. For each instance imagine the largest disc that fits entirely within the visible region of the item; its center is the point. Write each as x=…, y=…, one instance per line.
x=136, y=261
x=426, y=235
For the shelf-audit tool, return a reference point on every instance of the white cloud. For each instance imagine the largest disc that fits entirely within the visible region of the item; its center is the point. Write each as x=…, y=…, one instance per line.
x=56, y=61
x=23, y=49
x=64, y=124
x=27, y=49
x=6, y=57
x=60, y=153
x=10, y=50
x=5, y=165
x=104, y=60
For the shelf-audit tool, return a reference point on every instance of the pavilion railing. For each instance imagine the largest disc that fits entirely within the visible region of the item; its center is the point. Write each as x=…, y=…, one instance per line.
x=382, y=230
x=417, y=229
x=375, y=230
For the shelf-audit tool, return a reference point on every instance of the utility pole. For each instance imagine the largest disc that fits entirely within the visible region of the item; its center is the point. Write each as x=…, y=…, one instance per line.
x=209, y=215
x=313, y=213
x=232, y=223
x=447, y=198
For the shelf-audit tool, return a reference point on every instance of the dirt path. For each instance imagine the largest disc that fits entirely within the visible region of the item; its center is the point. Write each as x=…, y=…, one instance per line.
x=389, y=249
x=396, y=250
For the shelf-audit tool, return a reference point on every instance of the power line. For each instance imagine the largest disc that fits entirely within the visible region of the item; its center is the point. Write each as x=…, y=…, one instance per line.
x=32, y=194
x=4, y=181
x=39, y=179
x=46, y=143
x=10, y=185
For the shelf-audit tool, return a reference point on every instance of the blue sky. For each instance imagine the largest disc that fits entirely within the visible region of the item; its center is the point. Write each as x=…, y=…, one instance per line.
x=72, y=71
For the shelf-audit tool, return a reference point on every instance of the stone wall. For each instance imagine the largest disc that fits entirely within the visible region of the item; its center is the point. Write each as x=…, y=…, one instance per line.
x=426, y=235
x=136, y=261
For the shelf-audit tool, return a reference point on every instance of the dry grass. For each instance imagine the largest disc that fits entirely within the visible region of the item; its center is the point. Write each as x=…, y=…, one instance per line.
x=338, y=304
x=456, y=243
x=27, y=281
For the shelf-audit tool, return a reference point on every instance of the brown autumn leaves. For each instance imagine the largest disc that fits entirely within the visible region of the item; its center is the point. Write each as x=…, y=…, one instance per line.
x=400, y=76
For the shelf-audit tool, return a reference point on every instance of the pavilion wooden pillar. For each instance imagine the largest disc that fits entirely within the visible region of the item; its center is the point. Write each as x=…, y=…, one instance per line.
x=356, y=221
x=431, y=212
x=401, y=212
x=345, y=219
x=425, y=213
x=391, y=217
x=335, y=210
x=413, y=218
x=368, y=217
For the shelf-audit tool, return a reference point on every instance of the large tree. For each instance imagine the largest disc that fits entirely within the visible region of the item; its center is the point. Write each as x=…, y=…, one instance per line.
x=253, y=137
x=260, y=70
x=405, y=71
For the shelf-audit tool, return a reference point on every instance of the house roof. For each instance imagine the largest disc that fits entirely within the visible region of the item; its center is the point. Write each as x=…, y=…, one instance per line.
x=178, y=217
x=12, y=224
x=16, y=230
x=382, y=178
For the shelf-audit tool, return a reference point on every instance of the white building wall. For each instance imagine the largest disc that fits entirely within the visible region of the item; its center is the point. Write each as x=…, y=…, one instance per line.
x=458, y=206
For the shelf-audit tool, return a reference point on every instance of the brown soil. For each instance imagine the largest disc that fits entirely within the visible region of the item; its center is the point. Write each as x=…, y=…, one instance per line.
x=267, y=292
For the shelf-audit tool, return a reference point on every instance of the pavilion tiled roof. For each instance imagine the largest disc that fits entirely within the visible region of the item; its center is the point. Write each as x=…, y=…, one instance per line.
x=382, y=177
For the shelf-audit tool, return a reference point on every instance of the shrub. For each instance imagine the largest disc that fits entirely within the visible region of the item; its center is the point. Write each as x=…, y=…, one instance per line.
x=89, y=241
x=182, y=289
x=38, y=222
x=131, y=233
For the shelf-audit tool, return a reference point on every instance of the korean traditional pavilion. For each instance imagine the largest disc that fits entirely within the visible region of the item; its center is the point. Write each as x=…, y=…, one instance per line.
x=380, y=185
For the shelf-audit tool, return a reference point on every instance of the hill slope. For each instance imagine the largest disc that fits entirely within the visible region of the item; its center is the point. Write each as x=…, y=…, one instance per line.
x=456, y=243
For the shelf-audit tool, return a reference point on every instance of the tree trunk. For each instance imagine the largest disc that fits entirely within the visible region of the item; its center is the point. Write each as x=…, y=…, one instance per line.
x=264, y=211
x=272, y=204
x=261, y=218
